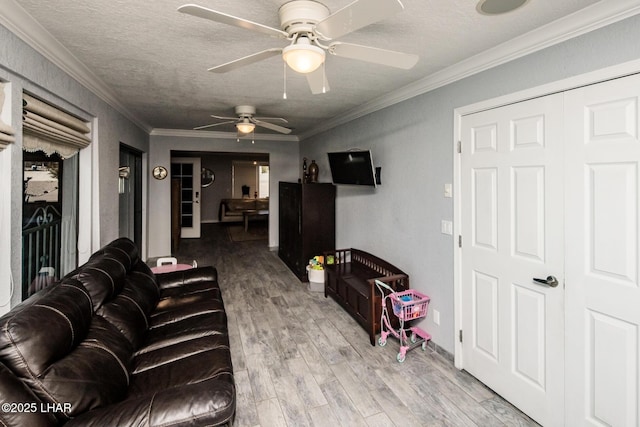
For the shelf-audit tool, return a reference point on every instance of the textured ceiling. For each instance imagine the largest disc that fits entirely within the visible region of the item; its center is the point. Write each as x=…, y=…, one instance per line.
x=154, y=59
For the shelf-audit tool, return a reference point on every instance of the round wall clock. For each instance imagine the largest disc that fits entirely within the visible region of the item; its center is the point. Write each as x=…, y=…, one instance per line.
x=159, y=172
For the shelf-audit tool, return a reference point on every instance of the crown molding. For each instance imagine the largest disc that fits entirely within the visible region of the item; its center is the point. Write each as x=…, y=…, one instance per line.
x=20, y=23
x=187, y=133
x=591, y=18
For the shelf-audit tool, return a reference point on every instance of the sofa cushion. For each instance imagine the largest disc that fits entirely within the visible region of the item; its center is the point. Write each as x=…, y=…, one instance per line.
x=37, y=333
x=208, y=403
x=212, y=364
x=103, y=278
x=262, y=204
x=27, y=410
x=64, y=353
x=129, y=311
x=94, y=374
x=167, y=354
x=240, y=204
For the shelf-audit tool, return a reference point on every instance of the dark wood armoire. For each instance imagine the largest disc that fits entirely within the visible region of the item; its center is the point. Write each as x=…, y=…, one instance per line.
x=307, y=223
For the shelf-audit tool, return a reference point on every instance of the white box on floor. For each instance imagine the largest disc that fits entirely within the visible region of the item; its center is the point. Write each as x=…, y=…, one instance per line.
x=316, y=280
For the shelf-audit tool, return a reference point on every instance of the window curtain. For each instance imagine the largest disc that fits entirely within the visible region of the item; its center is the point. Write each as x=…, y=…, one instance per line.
x=51, y=130
x=6, y=132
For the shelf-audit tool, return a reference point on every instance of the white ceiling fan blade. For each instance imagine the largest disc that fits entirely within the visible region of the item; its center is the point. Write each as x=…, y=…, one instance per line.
x=271, y=126
x=317, y=81
x=224, y=118
x=212, y=125
x=375, y=55
x=213, y=15
x=280, y=119
x=356, y=15
x=229, y=66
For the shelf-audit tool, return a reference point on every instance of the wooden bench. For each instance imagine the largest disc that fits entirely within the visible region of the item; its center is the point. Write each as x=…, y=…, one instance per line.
x=350, y=281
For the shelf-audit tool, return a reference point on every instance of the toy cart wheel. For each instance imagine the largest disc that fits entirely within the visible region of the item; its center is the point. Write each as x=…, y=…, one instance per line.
x=413, y=338
x=424, y=346
x=400, y=357
x=382, y=342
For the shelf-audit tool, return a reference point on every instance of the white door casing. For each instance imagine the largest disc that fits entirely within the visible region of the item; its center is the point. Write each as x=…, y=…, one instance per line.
x=511, y=221
x=602, y=226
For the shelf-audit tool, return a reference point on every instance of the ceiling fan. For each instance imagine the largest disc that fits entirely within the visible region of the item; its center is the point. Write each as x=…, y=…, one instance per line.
x=246, y=121
x=310, y=28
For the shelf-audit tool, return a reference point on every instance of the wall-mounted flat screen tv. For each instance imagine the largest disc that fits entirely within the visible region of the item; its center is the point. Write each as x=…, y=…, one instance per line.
x=352, y=168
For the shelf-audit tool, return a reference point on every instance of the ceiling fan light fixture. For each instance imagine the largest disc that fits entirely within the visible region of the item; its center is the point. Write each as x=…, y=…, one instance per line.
x=302, y=56
x=245, y=126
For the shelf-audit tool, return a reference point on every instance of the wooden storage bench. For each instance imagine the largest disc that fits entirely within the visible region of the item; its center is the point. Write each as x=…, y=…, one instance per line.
x=350, y=281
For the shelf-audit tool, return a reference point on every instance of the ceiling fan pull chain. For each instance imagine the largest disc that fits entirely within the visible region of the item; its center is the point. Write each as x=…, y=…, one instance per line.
x=284, y=73
x=324, y=78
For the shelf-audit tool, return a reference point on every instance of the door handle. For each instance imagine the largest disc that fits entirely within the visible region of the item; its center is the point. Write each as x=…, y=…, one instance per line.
x=550, y=281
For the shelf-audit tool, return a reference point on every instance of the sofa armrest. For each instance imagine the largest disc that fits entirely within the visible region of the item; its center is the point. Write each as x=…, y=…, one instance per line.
x=211, y=402
x=184, y=277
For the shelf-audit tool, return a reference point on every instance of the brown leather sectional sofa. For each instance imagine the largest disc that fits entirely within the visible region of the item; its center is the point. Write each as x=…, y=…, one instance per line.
x=112, y=344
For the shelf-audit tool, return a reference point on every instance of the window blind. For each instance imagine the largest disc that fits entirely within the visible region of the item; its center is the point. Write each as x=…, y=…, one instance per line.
x=49, y=129
x=6, y=132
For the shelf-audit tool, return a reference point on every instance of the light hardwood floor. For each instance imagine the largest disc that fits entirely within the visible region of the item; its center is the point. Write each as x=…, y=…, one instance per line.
x=300, y=360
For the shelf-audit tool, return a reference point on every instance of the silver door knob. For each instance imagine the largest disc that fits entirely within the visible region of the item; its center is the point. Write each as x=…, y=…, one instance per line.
x=550, y=281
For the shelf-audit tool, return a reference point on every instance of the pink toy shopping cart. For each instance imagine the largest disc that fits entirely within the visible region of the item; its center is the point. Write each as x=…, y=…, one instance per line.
x=407, y=306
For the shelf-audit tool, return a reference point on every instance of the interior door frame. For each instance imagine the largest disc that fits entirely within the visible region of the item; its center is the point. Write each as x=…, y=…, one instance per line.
x=594, y=77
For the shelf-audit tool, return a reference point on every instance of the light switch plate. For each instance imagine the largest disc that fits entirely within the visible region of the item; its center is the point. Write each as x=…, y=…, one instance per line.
x=448, y=190
x=446, y=227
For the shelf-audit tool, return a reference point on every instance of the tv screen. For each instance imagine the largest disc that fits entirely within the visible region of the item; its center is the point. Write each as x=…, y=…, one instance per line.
x=352, y=168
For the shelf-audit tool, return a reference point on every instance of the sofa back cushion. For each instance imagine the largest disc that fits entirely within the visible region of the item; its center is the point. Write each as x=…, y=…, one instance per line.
x=63, y=352
x=103, y=277
x=122, y=248
x=37, y=333
x=240, y=204
x=262, y=204
x=130, y=310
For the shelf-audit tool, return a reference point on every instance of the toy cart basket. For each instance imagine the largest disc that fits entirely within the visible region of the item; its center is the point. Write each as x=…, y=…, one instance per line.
x=409, y=304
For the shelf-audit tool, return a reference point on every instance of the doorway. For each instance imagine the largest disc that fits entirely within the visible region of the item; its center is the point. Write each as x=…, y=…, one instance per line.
x=130, y=194
x=250, y=179
x=49, y=219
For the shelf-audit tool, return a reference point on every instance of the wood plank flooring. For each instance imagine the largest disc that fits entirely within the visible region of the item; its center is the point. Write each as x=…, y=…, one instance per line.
x=300, y=360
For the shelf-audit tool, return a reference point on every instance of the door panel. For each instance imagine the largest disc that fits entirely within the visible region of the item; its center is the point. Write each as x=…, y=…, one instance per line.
x=188, y=169
x=603, y=293
x=511, y=183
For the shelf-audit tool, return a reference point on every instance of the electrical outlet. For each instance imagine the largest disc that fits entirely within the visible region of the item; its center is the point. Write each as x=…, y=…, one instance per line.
x=436, y=317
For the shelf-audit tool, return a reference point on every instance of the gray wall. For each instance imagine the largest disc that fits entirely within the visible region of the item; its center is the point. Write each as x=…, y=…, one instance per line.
x=26, y=69
x=413, y=143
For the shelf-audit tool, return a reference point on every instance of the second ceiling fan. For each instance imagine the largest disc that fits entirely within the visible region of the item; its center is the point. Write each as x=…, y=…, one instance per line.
x=246, y=121
x=310, y=28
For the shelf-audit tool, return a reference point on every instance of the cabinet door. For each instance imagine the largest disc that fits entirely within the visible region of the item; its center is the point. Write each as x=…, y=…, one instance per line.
x=290, y=227
x=318, y=219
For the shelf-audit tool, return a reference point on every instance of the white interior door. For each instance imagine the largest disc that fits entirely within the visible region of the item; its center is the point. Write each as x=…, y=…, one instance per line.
x=602, y=225
x=511, y=224
x=188, y=170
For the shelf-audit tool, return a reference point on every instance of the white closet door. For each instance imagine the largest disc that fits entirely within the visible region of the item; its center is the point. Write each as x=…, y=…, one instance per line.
x=603, y=290
x=512, y=230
